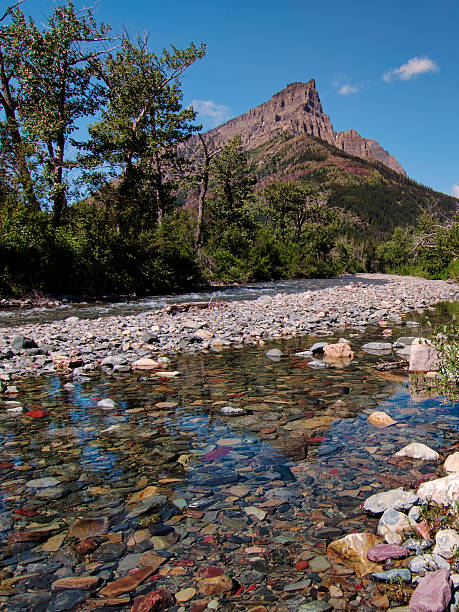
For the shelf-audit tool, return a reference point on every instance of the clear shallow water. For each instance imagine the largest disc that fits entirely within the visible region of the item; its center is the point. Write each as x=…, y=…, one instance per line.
x=171, y=434
x=252, y=291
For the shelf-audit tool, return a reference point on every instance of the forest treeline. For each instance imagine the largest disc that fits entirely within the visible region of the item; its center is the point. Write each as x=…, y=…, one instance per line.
x=100, y=191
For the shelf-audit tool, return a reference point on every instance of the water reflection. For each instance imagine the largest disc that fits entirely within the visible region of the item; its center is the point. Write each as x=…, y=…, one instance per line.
x=297, y=447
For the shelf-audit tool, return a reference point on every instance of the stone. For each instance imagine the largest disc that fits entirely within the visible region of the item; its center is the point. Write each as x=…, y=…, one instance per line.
x=33, y=602
x=151, y=559
x=446, y=543
x=393, y=575
x=155, y=601
x=377, y=346
x=127, y=583
x=216, y=585
x=382, y=552
x=427, y=562
x=107, y=404
x=185, y=595
x=67, y=600
x=144, y=363
x=318, y=348
x=341, y=350
x=85, y=583
x=395, y=498
x=315, y=606
x=150, y=491
x=451, y=464
x=150, y=338
x=443, y=491
x=42, y=483
x=254, y=511
x=89, y=528
x=392, y=524
x=318, y=422
x=433, y=593
x=423, y=356
x=274, y=354
x=297, y=586
x=319, y=564
x=380, y=419
x=416, y=450
x=353, y=550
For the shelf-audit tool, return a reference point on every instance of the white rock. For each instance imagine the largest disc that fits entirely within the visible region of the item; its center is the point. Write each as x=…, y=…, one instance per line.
x=451, y=465
x=392, y=524
x=446, y=543
x=427, y=562
x=443, y=491
x=417, y=450
x=414, y=514
x=395, y=498
x=107, y=404
x=423, y=356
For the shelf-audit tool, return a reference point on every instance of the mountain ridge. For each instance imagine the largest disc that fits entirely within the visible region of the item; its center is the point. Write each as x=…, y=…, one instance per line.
x=297, y=110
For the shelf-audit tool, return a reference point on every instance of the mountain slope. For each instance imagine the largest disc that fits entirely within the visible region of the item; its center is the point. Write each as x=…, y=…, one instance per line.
x=290, y=136
x=378, y=195
x=297, y=110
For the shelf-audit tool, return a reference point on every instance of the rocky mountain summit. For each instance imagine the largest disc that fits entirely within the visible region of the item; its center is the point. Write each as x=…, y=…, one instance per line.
x=297, y=110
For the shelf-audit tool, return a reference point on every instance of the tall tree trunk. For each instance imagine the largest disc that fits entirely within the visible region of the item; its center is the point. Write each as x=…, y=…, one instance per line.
x=59, y=199
x=199, y=231
x=6, y=100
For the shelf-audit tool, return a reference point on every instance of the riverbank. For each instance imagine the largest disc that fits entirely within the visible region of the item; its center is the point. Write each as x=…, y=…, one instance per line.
x=85, y=345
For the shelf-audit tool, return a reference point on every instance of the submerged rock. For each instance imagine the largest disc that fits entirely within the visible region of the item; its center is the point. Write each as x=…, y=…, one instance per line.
x=416, y=450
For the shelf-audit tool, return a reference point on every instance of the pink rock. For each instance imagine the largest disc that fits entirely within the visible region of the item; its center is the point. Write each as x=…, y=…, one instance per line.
x=433, y=593
x=216, y=454
x=381, y=552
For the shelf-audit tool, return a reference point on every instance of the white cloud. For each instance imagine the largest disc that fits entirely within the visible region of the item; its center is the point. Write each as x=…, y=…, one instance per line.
x=413, y=67
x=456, y=190
x=341, y=83
x=347, y=90
x=210, y=114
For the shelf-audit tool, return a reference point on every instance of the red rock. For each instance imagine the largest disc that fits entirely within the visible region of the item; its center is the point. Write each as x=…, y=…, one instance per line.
x=185, y=563
x=156, y=601
x=26, y=512
x=127, y=583
x=85, y=546
x=37, y=414
x=5, y=465
x=216, y=454
x=433, y=593
x=198, y=608
x=381, y=552
x=267, y=430
x=211, y=572
x=423, y=530
x=194, y=513
x=301, y=565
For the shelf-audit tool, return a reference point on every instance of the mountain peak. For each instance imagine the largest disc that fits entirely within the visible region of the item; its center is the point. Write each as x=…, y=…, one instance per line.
x=297, y=110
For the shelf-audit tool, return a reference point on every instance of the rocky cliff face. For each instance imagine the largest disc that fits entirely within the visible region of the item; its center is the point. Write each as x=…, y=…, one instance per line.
x=297, y=110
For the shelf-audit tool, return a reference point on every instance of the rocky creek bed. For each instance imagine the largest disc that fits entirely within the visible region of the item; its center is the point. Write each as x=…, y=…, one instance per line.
x=227, y=485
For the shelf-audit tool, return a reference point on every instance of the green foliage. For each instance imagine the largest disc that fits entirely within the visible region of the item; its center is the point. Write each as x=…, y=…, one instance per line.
x=446, y=342
x=429, y=249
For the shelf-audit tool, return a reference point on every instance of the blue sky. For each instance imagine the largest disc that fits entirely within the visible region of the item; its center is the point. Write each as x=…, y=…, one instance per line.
x=388, y=69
